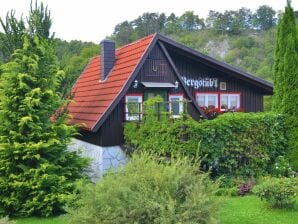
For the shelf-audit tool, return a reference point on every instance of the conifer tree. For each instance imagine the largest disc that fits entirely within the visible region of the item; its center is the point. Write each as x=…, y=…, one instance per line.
x=37, y=172
x=39, y=22
x=286, y=78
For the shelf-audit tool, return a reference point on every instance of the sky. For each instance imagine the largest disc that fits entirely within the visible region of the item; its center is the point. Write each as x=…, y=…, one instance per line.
x=93, y=20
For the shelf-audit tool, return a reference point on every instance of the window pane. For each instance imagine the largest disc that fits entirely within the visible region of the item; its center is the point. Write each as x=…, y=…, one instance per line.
x=233, y=102
x=133, y=107
x=201, y=100
x=151, y=95
x=224, y=102
x=175, y=107
x=212, y=101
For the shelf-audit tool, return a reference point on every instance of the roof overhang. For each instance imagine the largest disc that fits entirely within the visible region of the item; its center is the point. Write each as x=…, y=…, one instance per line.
x=158, y=84
x=265, y=86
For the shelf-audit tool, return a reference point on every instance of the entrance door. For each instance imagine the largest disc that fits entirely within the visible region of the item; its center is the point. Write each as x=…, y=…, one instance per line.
x=152, y=93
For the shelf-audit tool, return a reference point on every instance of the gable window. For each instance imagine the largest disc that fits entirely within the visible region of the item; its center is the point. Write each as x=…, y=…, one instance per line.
x=207, y=99
x=133, y=107
x=229, y=101
x=176, y=105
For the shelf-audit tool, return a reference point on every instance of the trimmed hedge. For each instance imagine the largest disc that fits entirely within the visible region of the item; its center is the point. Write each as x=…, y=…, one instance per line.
x=234, y=144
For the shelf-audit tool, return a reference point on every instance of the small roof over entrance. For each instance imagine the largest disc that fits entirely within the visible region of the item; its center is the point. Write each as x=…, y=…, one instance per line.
x=158, y=84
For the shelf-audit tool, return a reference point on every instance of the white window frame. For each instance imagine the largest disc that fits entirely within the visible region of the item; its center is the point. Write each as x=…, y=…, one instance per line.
x=206, y=98
x=180, y=96
x=229, y=100
x=137, y=116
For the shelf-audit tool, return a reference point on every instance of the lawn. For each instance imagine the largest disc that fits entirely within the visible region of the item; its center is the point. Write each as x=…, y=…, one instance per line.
x=236, y=210
x=251, y=210
x=55, y=220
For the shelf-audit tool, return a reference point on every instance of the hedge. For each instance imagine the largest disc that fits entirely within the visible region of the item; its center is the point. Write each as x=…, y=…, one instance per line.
x=233, y=144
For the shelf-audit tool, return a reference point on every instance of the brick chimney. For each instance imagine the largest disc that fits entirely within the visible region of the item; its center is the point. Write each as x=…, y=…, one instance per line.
x=107, y=57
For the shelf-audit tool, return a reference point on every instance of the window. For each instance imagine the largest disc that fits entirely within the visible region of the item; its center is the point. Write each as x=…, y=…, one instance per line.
x=176, y=105
x=207, y=99
x=133, y=107
x=229, y=101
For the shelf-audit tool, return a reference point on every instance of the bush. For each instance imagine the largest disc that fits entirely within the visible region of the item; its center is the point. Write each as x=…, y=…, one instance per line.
x=5, y=220
x=279, y=192
x=282, y=168
x=246, y=187
x=233, y=144
x=146, y=191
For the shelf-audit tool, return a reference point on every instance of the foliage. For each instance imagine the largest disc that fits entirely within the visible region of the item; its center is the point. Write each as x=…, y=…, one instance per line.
x=74, y=65
x=13, y=32
x=37, y=172
x=279, y=192
x=232, y=22
x=282, y=168
x=5, y=220
x=211, y=112
x=147, y=191
x=286, y=78
x=233, y=144
x=39, y=23
x=246, y=187
x=189, y=21
x=264, y=18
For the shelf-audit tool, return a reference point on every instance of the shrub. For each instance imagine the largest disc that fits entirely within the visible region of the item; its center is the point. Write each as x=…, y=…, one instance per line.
x=282, y=167
x=5, y=220
x=279, y=192
x=237, y=144
x=146, y=191
x=246, y=187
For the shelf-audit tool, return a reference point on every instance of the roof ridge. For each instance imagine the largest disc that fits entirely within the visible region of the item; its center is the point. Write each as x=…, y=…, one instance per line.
x=136, y=41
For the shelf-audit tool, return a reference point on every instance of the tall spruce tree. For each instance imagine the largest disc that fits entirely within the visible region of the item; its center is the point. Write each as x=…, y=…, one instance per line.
x=37, y=172
x=286, y=78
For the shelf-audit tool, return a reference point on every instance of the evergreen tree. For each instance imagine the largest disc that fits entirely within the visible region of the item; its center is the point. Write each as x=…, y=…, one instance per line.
x=286, y=78
x=39, y=22
x=13, y=31
x=37, y=172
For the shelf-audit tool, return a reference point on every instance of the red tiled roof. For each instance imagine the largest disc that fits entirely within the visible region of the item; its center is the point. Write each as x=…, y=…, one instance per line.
x=91, y=97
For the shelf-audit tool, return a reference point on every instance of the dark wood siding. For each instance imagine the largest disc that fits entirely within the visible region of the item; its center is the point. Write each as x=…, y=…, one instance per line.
x=110, y=133
x=157, y=69
x=251, y=98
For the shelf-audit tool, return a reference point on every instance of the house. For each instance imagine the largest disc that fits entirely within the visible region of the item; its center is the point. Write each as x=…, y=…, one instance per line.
x=154, y=65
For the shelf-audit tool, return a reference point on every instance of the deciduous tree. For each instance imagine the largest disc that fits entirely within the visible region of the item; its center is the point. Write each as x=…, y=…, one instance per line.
x=264, y=18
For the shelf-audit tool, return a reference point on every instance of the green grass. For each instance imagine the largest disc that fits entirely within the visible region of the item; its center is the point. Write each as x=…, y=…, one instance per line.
x=33, y=220
x=251, y=210
x=235, y=210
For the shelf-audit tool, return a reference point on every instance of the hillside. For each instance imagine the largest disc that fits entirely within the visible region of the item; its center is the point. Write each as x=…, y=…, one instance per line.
x=251, y=51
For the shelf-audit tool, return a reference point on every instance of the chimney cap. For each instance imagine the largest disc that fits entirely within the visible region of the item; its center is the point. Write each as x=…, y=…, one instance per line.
x=107, y=40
